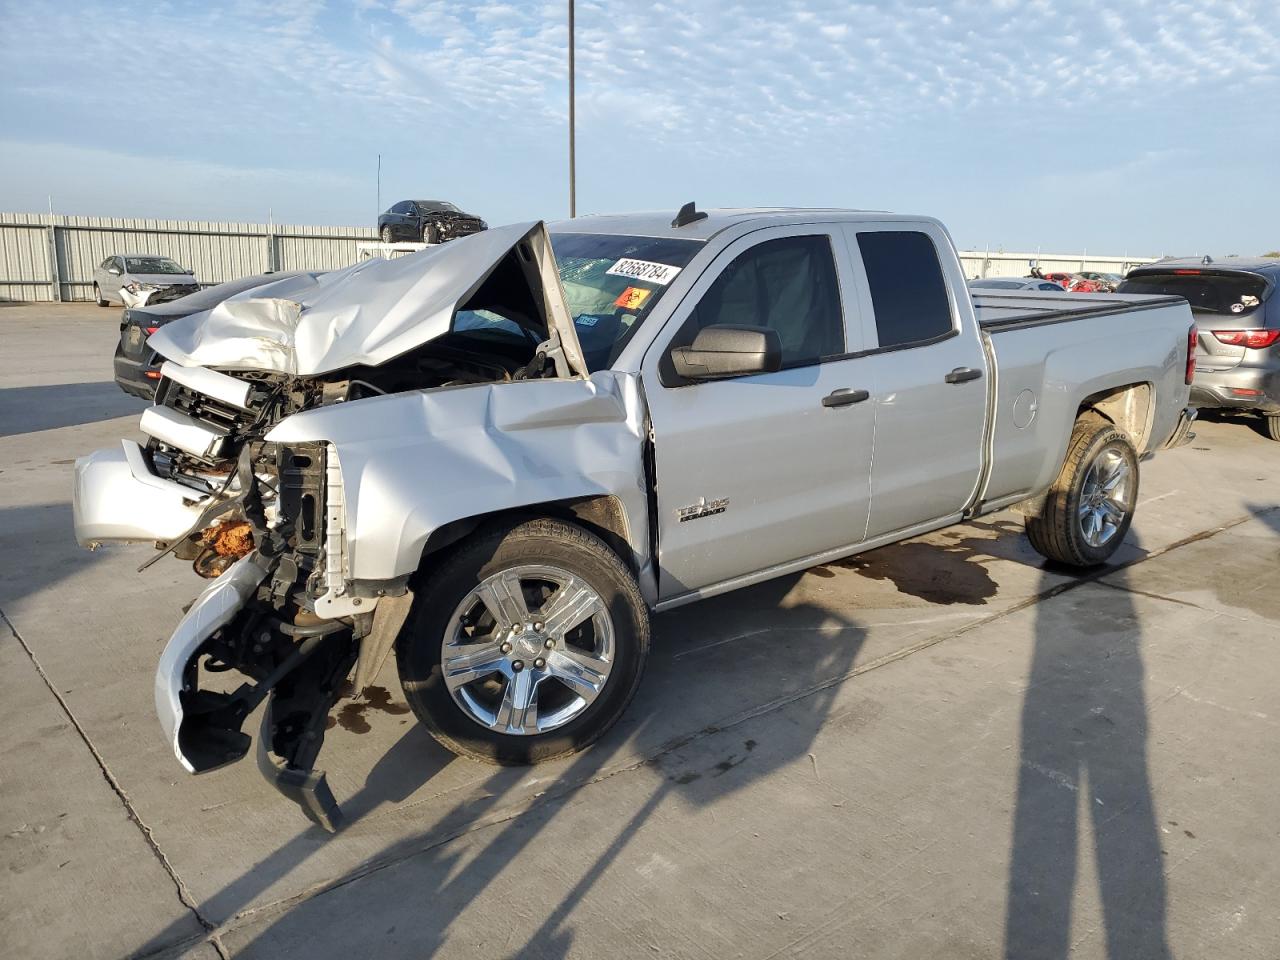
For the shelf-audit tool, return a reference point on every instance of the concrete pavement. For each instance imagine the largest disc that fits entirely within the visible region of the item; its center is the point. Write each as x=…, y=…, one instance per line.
x=942, y=748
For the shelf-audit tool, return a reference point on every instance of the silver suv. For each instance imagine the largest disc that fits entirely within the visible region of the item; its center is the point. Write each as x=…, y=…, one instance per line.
x=1238, y=355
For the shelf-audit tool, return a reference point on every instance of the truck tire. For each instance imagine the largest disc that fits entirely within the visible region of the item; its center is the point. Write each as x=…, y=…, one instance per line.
x=526, y=643
x=97, y=295
x=1088, y=509
x=1272, y=426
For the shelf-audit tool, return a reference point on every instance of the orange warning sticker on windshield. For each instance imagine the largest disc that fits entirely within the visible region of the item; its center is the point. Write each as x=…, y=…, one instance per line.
x=632, y=298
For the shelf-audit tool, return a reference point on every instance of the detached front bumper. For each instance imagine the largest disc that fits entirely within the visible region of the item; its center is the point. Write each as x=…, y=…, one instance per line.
x=117, y=497
x=211, y=611
x=271, y=617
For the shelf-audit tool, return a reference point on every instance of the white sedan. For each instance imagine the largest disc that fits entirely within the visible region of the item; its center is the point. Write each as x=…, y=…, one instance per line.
x=136, y=279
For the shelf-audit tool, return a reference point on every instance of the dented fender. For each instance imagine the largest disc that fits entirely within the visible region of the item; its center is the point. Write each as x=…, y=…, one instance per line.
x=413, y=462
x=214, y=608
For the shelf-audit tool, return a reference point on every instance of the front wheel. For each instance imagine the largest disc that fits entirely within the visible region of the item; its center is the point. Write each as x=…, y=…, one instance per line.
x=527, y=644
x=97, y=295
x=1089, y=508
x=429, y=234
x=386, y=234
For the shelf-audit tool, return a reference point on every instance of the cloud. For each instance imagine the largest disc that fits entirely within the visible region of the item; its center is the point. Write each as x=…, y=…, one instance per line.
x=793, y=98
x=724, y=70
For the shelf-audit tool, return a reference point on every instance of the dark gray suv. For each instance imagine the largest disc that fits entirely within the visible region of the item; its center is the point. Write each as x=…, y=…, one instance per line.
x=1234, y=303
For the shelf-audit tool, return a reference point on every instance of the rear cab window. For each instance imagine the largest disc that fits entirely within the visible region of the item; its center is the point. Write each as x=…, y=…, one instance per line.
x=908, y=291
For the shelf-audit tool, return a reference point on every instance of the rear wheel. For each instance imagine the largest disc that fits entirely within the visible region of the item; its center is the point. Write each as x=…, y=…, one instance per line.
x=97, y=295
x=526, y=645
x=1089, y=508
x=1272, y=425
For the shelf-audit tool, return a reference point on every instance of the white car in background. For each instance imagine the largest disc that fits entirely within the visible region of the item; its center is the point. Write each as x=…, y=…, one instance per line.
x=136, y=279
x=1015, y=283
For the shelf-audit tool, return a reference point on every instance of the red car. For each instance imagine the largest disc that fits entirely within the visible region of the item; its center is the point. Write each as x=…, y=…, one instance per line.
x=1074, y=283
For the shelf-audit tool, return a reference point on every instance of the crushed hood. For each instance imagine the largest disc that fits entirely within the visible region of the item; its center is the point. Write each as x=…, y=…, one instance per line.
x=378, y=309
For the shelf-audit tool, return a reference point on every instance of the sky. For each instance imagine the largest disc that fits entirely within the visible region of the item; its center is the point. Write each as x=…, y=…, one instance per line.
x=1140, y=127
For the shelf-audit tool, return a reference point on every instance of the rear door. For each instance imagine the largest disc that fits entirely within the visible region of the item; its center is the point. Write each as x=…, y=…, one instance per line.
x=926, y=370
x=757, y=471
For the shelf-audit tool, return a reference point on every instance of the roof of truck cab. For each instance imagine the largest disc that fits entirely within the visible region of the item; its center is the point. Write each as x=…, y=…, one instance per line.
x=657, y=223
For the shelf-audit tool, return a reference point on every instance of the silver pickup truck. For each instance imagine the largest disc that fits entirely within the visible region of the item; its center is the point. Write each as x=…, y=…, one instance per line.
x=496, y=457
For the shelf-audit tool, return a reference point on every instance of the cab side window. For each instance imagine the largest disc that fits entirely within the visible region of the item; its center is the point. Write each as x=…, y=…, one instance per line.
x=788, y=284
x=908, y=291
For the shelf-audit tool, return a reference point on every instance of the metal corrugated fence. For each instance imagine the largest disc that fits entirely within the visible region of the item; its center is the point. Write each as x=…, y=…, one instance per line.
x=45, y=257
x=984, y=263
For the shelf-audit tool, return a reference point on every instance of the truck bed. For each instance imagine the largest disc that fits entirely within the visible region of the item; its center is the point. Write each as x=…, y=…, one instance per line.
x=1031, y=308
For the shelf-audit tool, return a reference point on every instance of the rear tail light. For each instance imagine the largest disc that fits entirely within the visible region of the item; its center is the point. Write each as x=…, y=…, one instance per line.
x=151, y=374
x=151, y=330
x=1253, y=339
x=1193, y=337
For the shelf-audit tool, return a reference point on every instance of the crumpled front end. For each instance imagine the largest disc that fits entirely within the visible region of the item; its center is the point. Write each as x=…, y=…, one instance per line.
x=242, y=475
x=265, y=522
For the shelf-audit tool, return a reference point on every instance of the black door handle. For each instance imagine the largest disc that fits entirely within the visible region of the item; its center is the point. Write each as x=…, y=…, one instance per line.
x=962, y=375
x=843, y=397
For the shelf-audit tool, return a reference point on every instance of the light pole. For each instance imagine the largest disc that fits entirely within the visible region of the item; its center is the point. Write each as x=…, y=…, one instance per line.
x=573, y=190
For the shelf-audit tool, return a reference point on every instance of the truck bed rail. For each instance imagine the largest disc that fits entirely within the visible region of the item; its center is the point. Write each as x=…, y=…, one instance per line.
x=1015, y=311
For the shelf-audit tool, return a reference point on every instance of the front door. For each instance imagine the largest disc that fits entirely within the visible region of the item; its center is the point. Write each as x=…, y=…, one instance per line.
x=111, y=282
x=757, y=471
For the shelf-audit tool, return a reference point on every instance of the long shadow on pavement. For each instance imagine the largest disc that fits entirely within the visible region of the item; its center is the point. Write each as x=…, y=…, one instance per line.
x=29, y=565
x=441, y=887
x=1084, y=743
x=50, y=406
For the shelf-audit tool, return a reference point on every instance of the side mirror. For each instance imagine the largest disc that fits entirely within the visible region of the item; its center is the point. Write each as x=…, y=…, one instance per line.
x=728, y=350
x=114, y=271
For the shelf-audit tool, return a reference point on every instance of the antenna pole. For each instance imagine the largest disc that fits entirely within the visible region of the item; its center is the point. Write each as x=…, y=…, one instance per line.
x=379, y=210
x=573, y=190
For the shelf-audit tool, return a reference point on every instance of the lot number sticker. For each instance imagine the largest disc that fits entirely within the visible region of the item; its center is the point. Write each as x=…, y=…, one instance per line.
x=659, y=273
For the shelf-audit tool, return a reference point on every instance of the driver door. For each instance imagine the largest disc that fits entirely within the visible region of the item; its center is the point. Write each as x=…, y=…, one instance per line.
x=757, y=470
x=112, y=282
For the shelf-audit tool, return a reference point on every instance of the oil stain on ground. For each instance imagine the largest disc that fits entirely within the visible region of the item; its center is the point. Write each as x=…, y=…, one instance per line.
x=352, y=715
x=943, y=573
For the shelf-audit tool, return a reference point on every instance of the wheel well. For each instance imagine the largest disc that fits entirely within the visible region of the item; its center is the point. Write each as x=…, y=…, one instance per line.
x=1128, y=407
x=602, y=515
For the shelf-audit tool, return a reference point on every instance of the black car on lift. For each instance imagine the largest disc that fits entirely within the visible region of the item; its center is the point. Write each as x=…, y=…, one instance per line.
x=426, y=221
x=137, y=368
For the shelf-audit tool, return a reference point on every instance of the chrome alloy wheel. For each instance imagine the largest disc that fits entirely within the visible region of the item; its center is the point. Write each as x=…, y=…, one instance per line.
x=527, y=650
x=1104, y=497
